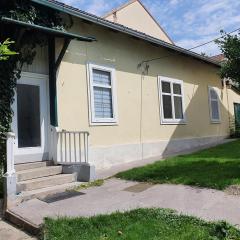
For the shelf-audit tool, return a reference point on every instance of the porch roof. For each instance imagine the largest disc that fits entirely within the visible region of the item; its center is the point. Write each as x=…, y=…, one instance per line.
x=55, y=32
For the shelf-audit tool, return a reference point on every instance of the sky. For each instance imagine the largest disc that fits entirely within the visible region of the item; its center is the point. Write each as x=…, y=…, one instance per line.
x=187, y=22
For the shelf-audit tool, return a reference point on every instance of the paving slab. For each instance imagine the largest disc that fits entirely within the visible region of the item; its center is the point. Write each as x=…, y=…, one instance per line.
x=9, y=232
x=114, y=195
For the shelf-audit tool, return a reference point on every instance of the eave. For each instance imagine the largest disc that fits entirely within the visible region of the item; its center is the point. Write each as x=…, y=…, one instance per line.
x=49, y=31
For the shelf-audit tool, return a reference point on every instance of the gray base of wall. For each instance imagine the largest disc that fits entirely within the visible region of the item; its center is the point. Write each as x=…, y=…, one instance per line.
x=84, y=172
x=107, y=157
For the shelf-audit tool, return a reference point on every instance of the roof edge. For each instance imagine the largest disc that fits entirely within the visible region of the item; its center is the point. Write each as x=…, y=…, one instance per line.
x=121, y=28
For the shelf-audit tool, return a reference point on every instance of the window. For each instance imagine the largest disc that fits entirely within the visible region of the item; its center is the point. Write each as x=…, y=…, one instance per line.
x=172, y=107
x=102, y=94
x=214, y=105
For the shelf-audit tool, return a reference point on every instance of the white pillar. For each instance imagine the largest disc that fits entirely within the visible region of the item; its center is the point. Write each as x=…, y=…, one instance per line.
x=10, y=154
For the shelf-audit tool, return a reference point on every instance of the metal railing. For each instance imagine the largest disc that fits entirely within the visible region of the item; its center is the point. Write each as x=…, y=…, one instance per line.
x=72, y=147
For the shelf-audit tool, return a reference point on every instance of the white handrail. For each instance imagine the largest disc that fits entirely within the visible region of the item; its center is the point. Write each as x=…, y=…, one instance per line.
x=10, y=153
x=72, y=147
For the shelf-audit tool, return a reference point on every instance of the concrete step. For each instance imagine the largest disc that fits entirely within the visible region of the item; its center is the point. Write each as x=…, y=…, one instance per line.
x=44, y=182
x=38, y=173
x=44, y=192
x=22, y=223
x=32, y=165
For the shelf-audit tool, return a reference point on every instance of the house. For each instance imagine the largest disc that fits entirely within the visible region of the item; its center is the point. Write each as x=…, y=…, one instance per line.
x=109, y=103
x=140, y=20
x=219, y=58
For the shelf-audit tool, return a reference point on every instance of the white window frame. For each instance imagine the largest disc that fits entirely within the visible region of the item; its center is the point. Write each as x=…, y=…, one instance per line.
x=210, y=105
x=172, y=121
x=95, y=120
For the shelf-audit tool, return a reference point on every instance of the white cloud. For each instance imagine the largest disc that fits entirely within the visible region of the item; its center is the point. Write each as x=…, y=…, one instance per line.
x=188, y=22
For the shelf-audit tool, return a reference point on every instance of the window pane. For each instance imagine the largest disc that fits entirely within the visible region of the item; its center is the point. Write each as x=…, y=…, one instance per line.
x=215, y=110
x=213, y=94
x=178, y=107
x=177, y=89
x=167, y=107
x=28, y=116
x=101, y=77
x=166, y=88
x=103, y=102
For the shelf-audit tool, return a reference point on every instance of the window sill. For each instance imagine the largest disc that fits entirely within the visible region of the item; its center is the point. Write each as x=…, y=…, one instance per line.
x=164, y=122
x=103, y=123
x=215, y=122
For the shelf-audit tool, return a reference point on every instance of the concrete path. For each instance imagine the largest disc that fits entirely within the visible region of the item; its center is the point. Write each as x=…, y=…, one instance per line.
x=9, y=232
x=116, y=195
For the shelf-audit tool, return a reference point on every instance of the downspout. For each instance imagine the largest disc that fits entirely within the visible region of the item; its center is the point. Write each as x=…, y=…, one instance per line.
x=229, y=118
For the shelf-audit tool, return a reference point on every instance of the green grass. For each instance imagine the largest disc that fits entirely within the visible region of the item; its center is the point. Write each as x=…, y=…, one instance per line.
x=96, y=183
x=140, y=224
x=216, y=168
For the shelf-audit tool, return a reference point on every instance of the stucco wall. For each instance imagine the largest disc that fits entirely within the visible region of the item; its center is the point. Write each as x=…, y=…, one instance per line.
x=124, y=53
x=136, y=17
x=233, y=97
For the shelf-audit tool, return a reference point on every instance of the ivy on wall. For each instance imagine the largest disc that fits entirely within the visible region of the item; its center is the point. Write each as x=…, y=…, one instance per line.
x=26, y=42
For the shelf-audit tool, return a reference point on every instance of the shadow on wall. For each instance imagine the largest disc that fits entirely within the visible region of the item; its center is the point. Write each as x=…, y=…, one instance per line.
x=202, y=131
x=125, y=53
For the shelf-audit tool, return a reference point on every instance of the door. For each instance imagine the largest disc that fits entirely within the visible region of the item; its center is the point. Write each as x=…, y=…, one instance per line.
x=237, y=116
x=31, y=118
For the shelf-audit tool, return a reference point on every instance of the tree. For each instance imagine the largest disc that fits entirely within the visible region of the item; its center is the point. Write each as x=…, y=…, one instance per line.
x=5, y=52
x=230, y=47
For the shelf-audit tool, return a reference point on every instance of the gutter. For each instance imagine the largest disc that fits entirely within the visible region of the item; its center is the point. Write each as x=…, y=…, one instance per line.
x=118, y=27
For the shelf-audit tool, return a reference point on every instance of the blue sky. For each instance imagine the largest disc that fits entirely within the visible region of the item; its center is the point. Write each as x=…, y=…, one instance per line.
x=188, y=22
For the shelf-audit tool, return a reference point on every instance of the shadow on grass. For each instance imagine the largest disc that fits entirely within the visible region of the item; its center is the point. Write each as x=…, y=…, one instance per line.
x=217, y=168
x=213, y=174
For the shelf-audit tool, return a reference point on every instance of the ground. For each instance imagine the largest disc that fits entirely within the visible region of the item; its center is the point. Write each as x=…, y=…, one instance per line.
x=120, y=195
x=216, y=168
x=139, y=224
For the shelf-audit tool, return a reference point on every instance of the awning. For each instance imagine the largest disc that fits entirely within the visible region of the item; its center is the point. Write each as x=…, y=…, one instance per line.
x=47, y=30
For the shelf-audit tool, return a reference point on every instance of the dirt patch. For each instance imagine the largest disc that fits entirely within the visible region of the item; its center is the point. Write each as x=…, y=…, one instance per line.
x=140, y=187
x=233, y=190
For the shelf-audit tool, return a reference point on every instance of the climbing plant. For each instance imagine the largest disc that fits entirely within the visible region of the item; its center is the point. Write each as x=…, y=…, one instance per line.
x=26, y=42
x=5, y=52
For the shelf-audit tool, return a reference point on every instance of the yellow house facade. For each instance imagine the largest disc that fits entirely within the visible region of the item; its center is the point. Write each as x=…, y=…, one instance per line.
x=132, y=108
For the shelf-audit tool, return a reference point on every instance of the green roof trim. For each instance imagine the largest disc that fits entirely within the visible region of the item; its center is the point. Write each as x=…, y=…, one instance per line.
x=50, y=31
x=61, y=7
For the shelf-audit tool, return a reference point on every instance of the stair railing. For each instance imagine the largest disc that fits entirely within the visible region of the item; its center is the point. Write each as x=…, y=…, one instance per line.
x=72, y=147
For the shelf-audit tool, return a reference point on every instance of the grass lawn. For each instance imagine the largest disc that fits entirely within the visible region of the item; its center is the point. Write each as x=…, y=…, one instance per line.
x=140, y=224
x=217, y=168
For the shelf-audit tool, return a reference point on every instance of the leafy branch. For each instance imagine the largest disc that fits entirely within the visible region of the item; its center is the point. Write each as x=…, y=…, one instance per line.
x=5, y=52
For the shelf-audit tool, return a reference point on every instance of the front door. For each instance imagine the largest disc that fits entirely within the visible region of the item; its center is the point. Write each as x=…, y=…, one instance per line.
x=30, y=121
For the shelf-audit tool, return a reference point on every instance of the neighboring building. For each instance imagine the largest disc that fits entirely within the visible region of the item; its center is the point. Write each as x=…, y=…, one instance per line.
x=130, y=112
x=134, y=15
x=218, y=58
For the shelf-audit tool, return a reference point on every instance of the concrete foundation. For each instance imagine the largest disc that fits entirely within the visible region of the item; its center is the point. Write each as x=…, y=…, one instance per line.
x=10, y=190
x=85, y=172
x=110, y=156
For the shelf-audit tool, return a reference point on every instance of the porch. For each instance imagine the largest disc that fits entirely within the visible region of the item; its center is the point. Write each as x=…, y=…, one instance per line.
x=40, y=155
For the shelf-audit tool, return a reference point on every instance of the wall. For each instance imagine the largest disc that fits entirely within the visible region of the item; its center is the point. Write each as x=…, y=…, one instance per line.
x=139, y=133
x=40, y=62
x=233, y=97
x=136, y=17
